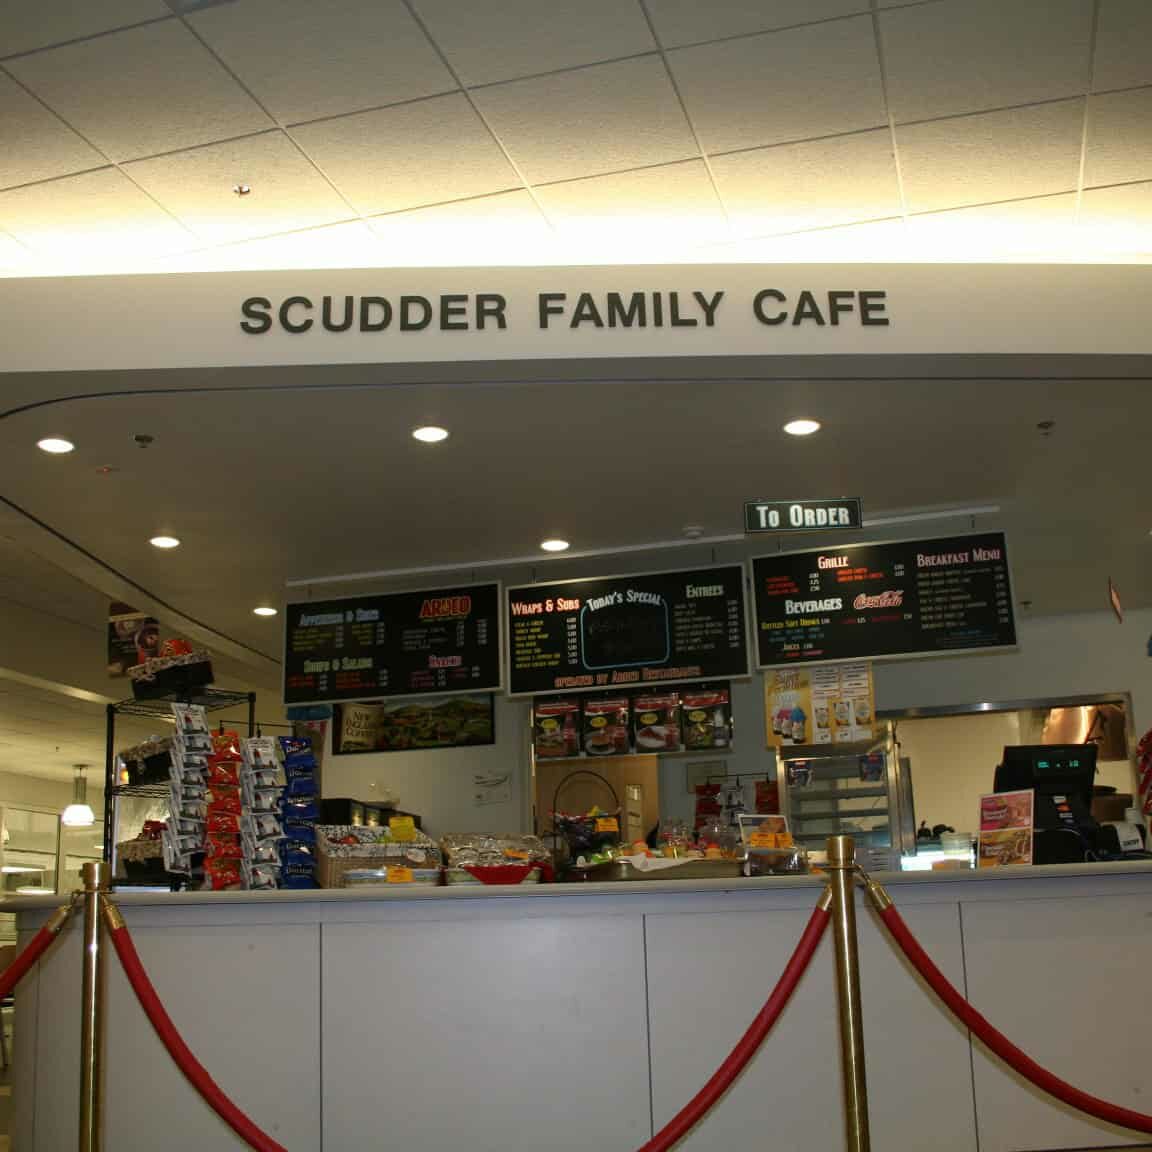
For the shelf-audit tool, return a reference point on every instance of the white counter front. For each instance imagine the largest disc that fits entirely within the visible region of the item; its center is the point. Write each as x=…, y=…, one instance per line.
x=584, y=1017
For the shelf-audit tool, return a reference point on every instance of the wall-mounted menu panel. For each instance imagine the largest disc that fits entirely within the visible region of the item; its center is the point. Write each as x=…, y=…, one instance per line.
x=651, y=628
x=906, y=598
x=427, y=643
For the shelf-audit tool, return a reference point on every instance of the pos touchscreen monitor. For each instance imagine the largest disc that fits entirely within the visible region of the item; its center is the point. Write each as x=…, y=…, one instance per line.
x=1049, y=769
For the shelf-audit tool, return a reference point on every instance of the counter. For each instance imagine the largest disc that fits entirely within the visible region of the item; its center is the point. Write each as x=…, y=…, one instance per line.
x=582, y=1017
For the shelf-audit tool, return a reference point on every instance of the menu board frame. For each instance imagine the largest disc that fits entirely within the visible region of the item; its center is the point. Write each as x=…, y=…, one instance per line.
x=928, y=654
x=497, y=688
x=585, y=690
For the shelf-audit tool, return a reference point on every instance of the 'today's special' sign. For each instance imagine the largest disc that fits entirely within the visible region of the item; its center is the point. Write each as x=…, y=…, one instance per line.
x=906, y=598
x=802, y=515
x=425, y=643
x=627, y=631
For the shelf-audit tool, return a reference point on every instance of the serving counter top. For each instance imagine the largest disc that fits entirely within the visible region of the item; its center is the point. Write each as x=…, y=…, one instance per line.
x=130, y=898
x=585, y=1015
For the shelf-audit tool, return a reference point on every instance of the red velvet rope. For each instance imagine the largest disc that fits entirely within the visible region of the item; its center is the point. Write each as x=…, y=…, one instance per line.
x=996, y=1042
x=724, y=1077
x=18, y=969
x=181, y=1054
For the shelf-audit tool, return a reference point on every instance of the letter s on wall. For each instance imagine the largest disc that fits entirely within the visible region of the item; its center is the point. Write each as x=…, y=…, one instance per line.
x=257, y=321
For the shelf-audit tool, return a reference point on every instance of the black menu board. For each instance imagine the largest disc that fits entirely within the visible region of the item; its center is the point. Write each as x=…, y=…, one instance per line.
x=908, y=598
x=428, y=643
x=653, y=628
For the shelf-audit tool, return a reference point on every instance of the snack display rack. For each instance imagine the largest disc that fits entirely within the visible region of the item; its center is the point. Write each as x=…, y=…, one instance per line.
x=211, y=699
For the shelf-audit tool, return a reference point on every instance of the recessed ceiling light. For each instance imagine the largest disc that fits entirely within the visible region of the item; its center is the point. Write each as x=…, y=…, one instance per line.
x=164, y=542
x=242, y=189
x=430, y=434
x=265, y=610
x=554, y=545
x=55, y=445
x=802, y=427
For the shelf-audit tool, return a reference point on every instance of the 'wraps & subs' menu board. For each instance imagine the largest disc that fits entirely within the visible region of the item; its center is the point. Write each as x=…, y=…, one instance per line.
x=427, y=643
x=906, y=598
x=650, y=628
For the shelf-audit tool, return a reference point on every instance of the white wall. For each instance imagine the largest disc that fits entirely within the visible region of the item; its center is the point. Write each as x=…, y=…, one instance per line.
x=437, y=784
x=39, y=792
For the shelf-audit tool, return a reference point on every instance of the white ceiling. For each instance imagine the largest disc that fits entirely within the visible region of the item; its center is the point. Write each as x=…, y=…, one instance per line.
x=390, y=132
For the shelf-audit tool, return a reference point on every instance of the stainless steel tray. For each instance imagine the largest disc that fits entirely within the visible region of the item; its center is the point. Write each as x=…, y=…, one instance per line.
x=614, y=870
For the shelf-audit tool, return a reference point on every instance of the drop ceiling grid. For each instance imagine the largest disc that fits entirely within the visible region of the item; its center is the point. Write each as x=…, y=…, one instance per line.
x=719, y=104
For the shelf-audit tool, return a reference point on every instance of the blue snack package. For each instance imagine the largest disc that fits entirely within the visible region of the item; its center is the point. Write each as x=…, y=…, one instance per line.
x=300, y=809
x=301, y=788
x=297, y=854
x=301, y=830
x=302, y=765
x=294, y=880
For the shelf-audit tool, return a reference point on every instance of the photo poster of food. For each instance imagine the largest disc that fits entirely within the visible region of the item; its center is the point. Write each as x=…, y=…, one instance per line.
x=1005, y=829
x=133, y=637
x=821, y=704
x=413, y=725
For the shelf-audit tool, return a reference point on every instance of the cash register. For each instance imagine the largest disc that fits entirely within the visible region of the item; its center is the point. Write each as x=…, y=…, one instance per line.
x=1061, y=776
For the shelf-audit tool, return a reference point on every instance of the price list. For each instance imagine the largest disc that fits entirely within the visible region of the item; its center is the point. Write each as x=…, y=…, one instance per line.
x=906, y=598
x=432, y=642
x=630, y=630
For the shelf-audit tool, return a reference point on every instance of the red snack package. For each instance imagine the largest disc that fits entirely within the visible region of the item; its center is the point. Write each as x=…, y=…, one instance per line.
x=226, y=744
x=221, y=846
x=224, y=798
x=221, y=873
x=223, y=824
x=225, y=771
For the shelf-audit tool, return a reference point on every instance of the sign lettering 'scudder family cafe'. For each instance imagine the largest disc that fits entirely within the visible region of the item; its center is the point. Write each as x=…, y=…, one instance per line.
x=550, y=311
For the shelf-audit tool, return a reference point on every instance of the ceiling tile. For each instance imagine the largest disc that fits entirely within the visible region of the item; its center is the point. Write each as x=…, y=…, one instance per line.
x=993, y=156
x=305, y=60
x=970, y=55
x=413, y=154
x=1117, y=221
x=490, y=230
x=487, y=41
x=820, y=80
x=670, y=201
x=29, y=24
x=1123, y=45
x=1023, y=229
x=34, y=144
x=97, y=214
x=816, y=184
x=590, y=121
x=197, y=187
x=147, y=90
x=1119, y=137
x=691, y=22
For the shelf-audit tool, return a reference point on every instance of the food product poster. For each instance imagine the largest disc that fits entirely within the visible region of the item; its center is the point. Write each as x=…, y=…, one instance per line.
x=412, y=725
x=133, y=637
x=1005, y=829
x=830, y=704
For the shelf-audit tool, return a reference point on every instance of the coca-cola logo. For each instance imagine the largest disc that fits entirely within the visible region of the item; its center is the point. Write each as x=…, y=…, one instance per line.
x=891, y=599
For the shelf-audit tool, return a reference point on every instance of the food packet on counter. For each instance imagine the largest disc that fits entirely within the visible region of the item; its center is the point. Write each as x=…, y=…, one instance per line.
x=606, y=726
x=707, y=717
x=656, y=722
x=261, y=851
x=556, y=728
x=223, y=771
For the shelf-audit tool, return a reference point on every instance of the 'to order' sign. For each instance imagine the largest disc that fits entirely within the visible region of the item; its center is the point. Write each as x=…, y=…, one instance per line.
x=802, y=515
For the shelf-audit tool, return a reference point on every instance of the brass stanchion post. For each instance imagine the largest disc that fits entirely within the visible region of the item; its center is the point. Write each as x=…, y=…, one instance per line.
x=841, y=865
x=95, y=877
